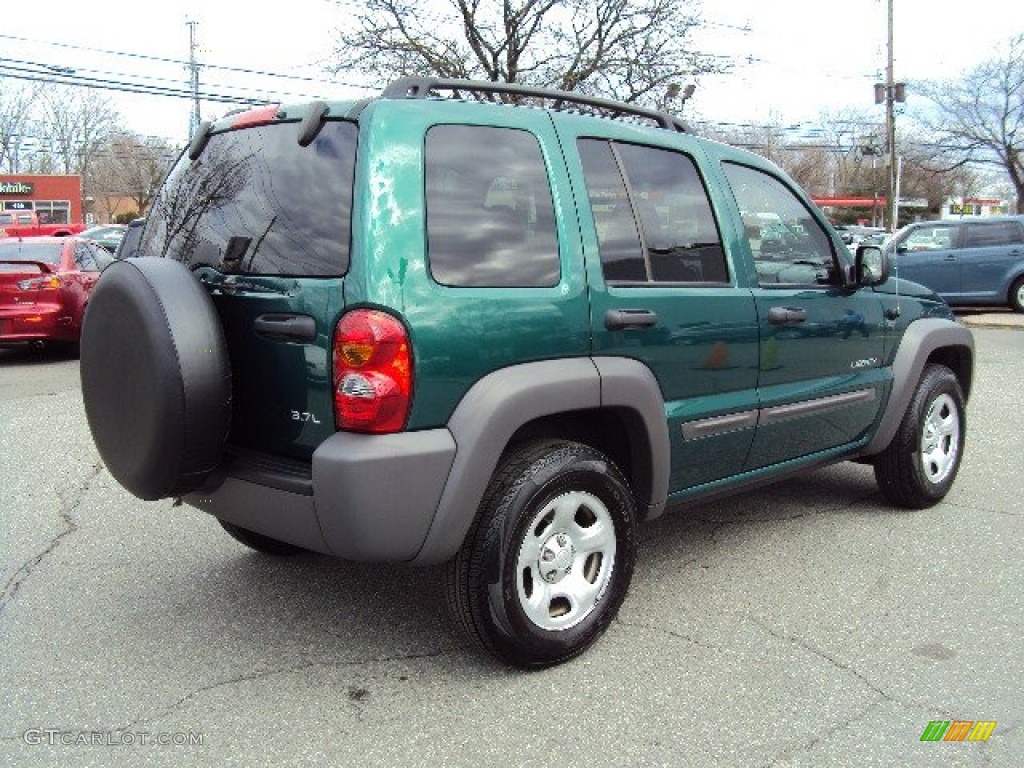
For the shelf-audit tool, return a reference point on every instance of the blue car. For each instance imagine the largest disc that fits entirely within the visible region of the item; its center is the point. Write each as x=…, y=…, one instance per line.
x=972, y=261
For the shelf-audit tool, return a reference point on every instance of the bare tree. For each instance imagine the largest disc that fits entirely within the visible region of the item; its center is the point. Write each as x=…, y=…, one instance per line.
x=129, y=166
x=16, y=105
x=77, y=122
x=625, y=49
x=980, y=118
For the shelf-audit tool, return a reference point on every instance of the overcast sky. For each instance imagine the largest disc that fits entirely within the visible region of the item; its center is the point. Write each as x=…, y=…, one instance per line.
x=797, y=59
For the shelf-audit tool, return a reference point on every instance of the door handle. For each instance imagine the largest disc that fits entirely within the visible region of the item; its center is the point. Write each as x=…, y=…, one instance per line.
x=786, y=315
x=286, y=327
x=626, y=319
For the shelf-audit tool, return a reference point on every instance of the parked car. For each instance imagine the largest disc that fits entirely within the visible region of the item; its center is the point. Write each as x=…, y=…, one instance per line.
x=45, y=285
x=971, y=261
x=129, y=245
x=108, y=236
x=29, y=224
x=436, y=327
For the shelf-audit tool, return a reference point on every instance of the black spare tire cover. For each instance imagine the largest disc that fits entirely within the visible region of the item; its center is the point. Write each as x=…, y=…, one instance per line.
x=156, y=380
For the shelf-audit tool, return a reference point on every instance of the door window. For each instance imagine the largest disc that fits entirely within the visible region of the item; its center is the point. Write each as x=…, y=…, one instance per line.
x=789, y=246
x=677, y=240
x=937, y=237
x=986, y=235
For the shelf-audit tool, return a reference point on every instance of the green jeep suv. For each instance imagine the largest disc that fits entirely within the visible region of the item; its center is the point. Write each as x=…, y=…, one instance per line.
x=497, y=327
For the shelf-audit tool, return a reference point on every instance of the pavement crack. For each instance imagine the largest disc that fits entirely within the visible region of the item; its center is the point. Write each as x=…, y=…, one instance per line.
x=787, y=753
x=801, y=643
x=68, y=527
x=844, y=667
x=665, y=631
x=266, y=674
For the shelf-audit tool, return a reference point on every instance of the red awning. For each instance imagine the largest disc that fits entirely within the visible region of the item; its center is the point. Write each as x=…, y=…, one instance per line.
x=849, y=202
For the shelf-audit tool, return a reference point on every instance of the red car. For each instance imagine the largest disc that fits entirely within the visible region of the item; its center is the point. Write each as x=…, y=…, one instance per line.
x=45, y=284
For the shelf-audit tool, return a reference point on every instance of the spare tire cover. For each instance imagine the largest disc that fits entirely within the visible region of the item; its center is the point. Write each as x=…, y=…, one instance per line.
x=156, y=380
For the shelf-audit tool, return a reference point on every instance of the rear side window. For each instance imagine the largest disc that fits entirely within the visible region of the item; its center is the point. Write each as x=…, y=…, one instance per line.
x=85, y=258
x=993, y=234
x=490, y=217
x=255, y=202
x=677, y=240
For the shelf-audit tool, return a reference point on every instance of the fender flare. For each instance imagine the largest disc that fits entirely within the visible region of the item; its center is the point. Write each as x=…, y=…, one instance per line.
x=921, y=339
x=499, y=404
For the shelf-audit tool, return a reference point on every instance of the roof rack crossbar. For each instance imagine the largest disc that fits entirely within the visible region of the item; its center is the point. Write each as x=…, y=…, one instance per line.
x=425, y=87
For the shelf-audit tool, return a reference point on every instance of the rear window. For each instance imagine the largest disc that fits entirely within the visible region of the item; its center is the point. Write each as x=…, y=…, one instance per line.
x=255, y=202
x=21, y=250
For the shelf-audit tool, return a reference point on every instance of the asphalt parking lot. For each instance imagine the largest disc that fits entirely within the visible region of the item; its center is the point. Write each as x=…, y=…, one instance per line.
x=802, y=625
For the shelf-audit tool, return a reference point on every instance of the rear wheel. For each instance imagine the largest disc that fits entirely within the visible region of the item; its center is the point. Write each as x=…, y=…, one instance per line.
x=918, y=467
x=549, y=560
x=258, y=541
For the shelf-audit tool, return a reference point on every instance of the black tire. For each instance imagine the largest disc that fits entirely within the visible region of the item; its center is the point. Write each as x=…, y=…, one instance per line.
x=495, y=574
x=907, y=474
x=1017, y=295
x=259, y=542
x=156, y=382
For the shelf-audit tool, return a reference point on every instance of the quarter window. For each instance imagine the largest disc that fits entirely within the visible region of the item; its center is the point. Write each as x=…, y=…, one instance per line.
x=85, y=258
x=788, y=245
x=677, y=240
x=490, y=216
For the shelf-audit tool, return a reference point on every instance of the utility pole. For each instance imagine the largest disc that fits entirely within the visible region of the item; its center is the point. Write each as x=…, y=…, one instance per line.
x=193, y=74
x=890, y=132
x=891, y=92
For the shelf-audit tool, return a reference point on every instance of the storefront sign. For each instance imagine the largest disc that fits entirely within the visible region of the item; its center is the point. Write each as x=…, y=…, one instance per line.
x=16, y=188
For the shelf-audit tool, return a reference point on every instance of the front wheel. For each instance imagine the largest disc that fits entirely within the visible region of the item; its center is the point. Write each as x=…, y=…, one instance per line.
x=1017, y=295
x=549, y=559
x=918, y=467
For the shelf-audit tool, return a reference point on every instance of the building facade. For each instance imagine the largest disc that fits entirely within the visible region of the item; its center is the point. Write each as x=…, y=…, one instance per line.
x=57, y=199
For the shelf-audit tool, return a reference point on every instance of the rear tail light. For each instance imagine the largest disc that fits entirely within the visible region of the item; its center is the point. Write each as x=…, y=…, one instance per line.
x=372, y=372
x=51, y=282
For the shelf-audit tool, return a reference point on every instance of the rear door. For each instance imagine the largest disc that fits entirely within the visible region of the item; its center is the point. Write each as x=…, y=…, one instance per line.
x=993, y=252
x=662, y=292
x=265, y=225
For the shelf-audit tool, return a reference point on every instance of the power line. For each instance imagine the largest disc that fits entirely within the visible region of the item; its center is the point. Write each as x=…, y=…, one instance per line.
x=179, y=62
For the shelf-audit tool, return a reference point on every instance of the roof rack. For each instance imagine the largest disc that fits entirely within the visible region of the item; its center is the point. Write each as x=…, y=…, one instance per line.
x=426, y=87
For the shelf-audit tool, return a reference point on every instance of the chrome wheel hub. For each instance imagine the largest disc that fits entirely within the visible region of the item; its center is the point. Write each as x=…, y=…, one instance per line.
x=556, y=558
x=565, y=560
x=940, y=439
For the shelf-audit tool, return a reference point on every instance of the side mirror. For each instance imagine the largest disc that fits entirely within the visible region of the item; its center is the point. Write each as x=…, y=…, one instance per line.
x=871, y=266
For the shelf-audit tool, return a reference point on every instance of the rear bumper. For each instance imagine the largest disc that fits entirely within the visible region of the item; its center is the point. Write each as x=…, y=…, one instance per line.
x=363, y=497
x=36, y=323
